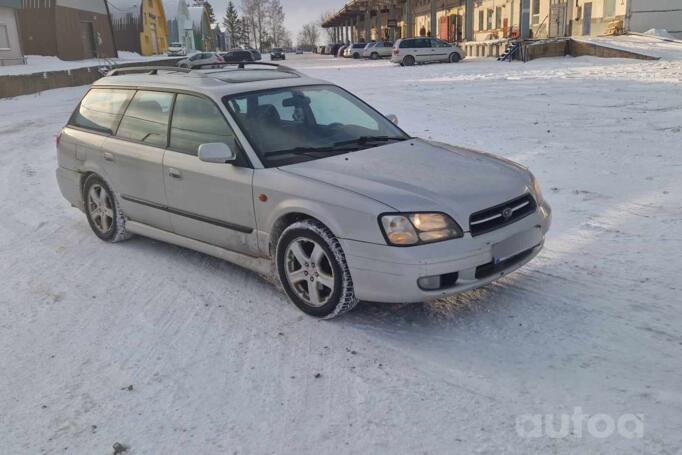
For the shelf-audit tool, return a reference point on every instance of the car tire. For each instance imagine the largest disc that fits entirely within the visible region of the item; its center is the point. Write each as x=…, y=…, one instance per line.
x=454, y=58
x=307, y=252
x=374, y=56
x=103, y=211
x=409, y=61
x=356, y=55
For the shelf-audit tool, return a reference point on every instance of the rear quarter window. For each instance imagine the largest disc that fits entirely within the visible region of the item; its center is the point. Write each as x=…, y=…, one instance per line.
x=101, y=109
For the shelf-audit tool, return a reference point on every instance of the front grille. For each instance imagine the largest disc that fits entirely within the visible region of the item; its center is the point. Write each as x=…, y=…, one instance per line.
x=501, y=215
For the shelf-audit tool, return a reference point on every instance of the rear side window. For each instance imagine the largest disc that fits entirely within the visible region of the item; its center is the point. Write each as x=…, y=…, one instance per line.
x=406, y=44
x=146, y=119
x=422, y=43
x=198, y=121
x=101, y=109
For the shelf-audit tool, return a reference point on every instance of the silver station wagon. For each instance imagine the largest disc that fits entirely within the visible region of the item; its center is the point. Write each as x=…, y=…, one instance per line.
x=297, y=179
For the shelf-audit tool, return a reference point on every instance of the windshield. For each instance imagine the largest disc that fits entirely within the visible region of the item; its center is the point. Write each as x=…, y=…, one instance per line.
x=175, y=45
x=295, y=124
x=277, y=49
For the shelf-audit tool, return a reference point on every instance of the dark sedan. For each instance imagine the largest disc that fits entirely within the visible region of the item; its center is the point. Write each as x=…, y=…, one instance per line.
x=277, y=53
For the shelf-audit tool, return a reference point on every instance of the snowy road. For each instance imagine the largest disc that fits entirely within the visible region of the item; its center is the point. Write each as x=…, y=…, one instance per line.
x=220, y=363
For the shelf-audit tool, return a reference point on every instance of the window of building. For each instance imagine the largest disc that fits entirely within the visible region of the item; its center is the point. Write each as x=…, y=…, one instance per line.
x=4, y=37
x=481, y=20
x=489, y=23
x=498, y=17
x=536, y=12
x=609, y=8
x=146, y=119
x=101, y=109
x=198, y=121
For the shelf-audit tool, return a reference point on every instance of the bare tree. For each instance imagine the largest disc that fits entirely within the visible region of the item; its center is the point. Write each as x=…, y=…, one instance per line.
x=276, y=21
x=256, y=12
x=309, y=35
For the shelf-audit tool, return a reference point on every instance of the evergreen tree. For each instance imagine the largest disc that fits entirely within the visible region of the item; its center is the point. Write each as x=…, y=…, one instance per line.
x=245, y=32
x=233, y=26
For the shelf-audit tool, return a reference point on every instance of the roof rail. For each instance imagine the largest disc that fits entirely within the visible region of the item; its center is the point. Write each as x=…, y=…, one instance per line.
x=242, y=65
x=153, y=70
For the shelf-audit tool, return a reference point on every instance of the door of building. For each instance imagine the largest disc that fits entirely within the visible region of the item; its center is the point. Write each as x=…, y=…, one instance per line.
x=557, y=20
x=587, y=19
x=88, y=40
x=443, y=28
x=155, y=40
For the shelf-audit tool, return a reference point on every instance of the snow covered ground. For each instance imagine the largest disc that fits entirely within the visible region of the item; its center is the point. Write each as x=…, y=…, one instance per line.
x=219, y=362
x=41, y=63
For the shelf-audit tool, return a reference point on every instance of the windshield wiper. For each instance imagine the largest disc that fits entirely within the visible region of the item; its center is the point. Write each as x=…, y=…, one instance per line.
x=336, y=148
x=362, y=140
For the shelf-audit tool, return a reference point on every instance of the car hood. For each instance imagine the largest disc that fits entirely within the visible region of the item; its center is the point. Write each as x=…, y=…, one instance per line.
x=418, y=175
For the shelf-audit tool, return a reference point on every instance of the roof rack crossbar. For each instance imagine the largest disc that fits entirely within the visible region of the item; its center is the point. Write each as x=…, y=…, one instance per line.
x=153, y=70
x=242, y=65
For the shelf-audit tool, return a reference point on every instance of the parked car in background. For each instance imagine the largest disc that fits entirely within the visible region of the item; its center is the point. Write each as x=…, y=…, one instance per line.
x=354, y=50
x=237, y=55
x=377, y=50
x=255, y=54
x=334, y=49
x=277, y=53
x=341, y=50
x=299, y=51
x=200, y=58
x=297, y=179
x=409, y=51
x=176, y=50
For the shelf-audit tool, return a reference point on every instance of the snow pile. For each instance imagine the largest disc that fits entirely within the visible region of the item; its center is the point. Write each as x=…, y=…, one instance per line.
x=659, y=33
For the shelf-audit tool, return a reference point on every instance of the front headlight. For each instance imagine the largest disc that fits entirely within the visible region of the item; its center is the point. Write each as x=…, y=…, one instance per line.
x=406, y=229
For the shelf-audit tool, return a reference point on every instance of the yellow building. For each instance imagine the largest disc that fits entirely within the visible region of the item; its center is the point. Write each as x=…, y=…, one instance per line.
x=139, y=26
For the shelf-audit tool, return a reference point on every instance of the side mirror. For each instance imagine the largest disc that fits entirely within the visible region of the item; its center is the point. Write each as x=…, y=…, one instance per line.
x=393, y=118
x=216, y=153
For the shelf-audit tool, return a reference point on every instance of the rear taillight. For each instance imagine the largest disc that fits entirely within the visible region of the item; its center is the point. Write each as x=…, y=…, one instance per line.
x=58, y=139
x=396, y=51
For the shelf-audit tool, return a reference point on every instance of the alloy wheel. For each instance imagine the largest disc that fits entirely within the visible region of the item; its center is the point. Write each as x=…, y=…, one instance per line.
x=309, y=271
x=100, y=208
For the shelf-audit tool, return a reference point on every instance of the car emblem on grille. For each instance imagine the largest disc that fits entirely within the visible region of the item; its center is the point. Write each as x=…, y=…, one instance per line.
x=507, y=213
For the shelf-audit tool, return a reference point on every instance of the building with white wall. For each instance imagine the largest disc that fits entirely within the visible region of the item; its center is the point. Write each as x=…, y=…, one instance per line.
x=10, y=45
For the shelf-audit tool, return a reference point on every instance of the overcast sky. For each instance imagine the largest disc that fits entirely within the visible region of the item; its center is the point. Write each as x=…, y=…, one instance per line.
x=298, y=12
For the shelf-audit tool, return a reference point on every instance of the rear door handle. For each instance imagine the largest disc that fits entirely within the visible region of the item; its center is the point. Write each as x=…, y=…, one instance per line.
x=108, y=156
x=174, y=173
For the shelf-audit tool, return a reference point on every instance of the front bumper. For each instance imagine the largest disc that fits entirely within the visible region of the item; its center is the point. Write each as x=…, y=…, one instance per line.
x=383, y=273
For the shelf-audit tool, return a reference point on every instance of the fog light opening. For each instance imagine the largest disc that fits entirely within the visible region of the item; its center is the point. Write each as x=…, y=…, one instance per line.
x=438, y=282
x=429, y=283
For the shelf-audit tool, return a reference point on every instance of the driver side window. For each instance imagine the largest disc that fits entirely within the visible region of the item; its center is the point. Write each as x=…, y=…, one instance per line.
x=198, y=121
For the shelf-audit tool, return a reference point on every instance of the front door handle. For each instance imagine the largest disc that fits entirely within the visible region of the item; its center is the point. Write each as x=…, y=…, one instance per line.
x=174, y=173
x=108, y=156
